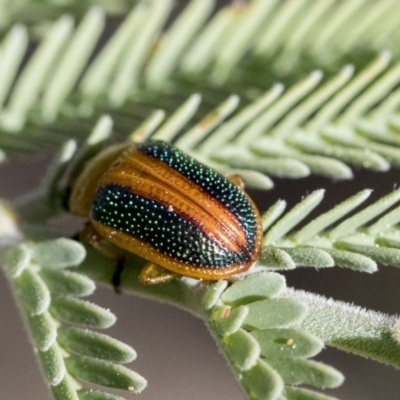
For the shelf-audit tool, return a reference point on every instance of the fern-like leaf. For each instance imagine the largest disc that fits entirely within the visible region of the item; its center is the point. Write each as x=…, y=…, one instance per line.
x=46, y=293
x=299, y=131
x=351, y=243
x=322, y=119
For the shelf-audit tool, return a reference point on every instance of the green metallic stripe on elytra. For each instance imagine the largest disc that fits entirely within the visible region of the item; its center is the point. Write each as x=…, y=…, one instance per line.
x=117, y=207
x=213, y=183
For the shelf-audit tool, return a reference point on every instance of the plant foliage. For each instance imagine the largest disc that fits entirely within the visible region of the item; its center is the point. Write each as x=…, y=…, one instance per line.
x=266, y=89
x=48, y=296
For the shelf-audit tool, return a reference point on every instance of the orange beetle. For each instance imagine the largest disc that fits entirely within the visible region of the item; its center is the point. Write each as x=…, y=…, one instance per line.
x=153, y=200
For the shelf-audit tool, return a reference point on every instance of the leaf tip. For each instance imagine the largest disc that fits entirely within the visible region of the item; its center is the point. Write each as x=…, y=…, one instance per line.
x=396, y=331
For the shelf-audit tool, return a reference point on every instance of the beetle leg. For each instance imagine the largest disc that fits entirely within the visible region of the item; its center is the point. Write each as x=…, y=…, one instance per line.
x=152, y=274
x=237, y=180
x=90, y=235
x=116, y=278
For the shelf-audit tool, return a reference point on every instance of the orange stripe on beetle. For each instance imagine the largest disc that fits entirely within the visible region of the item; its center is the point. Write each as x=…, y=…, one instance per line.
x=159, y=203
x=171, y=189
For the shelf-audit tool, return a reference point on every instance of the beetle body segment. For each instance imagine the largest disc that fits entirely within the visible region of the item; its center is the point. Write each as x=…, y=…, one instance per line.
x=159, y=203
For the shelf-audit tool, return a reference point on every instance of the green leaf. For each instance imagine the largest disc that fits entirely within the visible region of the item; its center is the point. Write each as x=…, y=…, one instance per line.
x=58, y=253
x=386, y=222
x=241, y=38
x=326, y=219
x=254, y=287
x=362, y=157
x=283, y=167
x=262, y=382
x=13, y=48
x=178, y=119
x=276, y=258
x=254, y=179
x=354, y=261
x=293, y=217
x=67, y=282
x=293, y=393
x=17, y=259
x=53, y=365
x=230, y=319
x=396, y=332
x=213, y=294
x=128, y=70
x=105, y=373
x=32, y=292
x=382, y=255
x=179, y=35
x=266, y=121
x=76, y=311
x=325, y=166
x=100, y=71
x=299, y=371
x=202, y=51
x=383, y=241
x=93, y=344
x=90, y=394
x=191, y=137
x=310, y=257
x=272, y=214
x=351, y=224
x=65, y=390
x=231, y=128
x=243, y=349
x=33, y=78
x=276, y=343
x=43, y=329
x=72, y=62
x=274, y=313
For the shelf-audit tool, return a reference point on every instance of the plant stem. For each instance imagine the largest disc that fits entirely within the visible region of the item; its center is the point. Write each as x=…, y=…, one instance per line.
x=185, y=293
x=350, y=328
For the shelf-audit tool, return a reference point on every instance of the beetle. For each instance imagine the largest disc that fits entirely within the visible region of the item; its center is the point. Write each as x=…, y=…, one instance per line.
x=183, y=217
